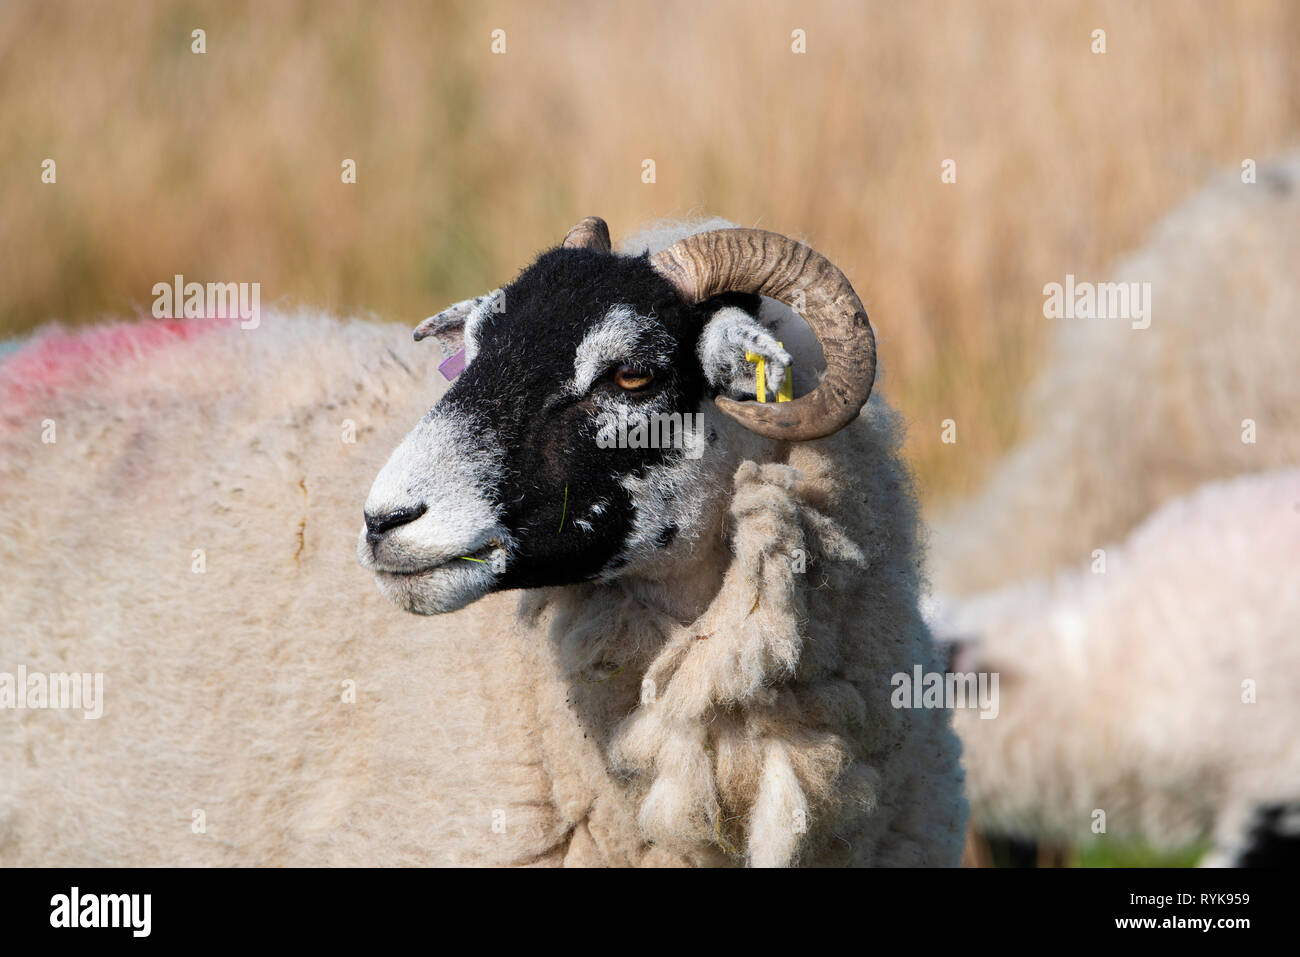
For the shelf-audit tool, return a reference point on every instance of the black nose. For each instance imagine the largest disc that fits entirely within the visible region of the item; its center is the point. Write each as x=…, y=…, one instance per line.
x=376, y=525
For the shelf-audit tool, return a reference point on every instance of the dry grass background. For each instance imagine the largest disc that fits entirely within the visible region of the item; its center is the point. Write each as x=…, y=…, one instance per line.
x=226, y=166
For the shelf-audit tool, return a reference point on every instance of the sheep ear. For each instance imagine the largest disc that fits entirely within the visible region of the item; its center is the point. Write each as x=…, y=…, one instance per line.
x=730, y=335
x=448, y=326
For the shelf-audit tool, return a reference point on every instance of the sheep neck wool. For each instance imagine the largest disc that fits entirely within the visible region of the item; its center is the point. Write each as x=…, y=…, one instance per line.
x=728, y=699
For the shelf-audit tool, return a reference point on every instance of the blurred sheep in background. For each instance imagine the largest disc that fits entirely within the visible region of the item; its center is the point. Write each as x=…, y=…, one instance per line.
x=1122, y=675
x=1164, y=692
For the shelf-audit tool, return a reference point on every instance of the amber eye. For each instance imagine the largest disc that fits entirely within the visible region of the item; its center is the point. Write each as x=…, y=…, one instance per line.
x=633, y=377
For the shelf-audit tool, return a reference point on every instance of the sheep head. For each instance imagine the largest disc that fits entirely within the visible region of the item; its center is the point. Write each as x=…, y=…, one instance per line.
x=578, y=440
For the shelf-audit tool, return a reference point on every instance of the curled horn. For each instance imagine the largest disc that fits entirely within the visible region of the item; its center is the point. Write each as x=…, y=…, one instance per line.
x=757, y=261
x=591, y=233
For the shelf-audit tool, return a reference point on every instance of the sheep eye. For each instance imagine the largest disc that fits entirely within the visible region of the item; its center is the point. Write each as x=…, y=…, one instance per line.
x=632, y=378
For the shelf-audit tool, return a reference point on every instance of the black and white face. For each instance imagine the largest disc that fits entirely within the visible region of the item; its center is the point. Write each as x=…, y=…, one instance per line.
x=579, y=443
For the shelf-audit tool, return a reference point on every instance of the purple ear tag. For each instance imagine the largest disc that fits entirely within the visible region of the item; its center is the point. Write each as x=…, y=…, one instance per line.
x=453, y=366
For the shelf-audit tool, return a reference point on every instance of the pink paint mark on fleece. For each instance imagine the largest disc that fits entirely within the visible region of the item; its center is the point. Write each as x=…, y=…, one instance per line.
x=58, y=361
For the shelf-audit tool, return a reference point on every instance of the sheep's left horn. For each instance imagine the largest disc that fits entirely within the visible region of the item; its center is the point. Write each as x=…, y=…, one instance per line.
x=591, y=233
x=757, y=261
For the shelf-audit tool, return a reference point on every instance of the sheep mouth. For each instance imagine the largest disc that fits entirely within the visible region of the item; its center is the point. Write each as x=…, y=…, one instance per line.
x=483, y=556
x=444, y=586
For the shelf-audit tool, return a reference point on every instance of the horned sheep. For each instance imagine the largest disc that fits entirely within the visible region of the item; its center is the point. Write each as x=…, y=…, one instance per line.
x=696, y=670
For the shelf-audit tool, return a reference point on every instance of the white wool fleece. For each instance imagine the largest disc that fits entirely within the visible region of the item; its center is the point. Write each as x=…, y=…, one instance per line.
x=1164, y=692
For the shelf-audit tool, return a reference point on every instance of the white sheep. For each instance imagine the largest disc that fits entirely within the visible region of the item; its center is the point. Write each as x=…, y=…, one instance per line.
x=1122, y=419
x=184, y=531
x=1155, y=697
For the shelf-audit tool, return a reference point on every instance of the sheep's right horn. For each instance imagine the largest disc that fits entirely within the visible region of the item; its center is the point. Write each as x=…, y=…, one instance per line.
x=757, y=261
x=591, y=233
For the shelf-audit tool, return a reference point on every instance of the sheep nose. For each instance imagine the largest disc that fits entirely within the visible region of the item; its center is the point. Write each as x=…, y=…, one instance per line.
x=376, y=525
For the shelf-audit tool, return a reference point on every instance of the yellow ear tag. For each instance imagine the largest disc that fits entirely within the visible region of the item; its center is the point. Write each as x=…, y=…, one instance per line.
x=783, y=394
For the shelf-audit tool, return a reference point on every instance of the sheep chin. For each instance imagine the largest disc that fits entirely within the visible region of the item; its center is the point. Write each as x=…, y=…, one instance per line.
x=438, y=590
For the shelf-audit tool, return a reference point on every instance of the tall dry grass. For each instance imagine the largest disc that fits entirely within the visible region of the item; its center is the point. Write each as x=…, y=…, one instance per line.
x=225, y=166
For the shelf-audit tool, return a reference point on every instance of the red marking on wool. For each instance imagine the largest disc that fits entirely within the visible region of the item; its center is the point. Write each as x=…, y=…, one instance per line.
x=57, y=361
